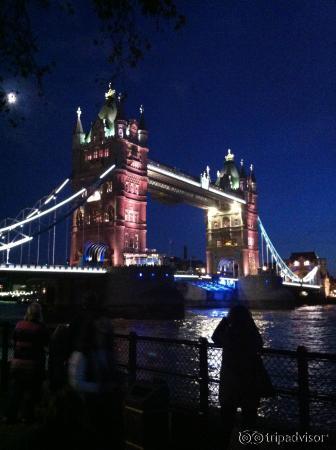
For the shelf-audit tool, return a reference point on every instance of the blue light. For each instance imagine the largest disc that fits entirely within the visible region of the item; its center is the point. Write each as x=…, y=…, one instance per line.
x=167, y=275
x=153, y=274
x=229, y=282
x=140, y=275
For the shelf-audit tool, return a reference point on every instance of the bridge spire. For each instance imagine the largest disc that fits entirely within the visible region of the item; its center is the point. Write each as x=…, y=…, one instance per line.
x=242, y=172
x=229, y=156
x=252, y=175
x=142, y=124
x=121, y=121
x=78, y=133
x=108, y=111
x=142, y=130
x=242, y=176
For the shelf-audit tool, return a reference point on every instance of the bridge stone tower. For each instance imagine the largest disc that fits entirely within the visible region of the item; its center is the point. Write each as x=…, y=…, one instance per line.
x=232, y=231
x=113, y=220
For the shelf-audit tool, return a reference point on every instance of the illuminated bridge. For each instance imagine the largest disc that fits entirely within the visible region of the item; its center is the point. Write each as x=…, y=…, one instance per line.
x=97, y=218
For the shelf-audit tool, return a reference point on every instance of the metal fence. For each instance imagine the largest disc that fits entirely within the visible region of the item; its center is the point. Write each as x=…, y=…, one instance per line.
x=305, y=382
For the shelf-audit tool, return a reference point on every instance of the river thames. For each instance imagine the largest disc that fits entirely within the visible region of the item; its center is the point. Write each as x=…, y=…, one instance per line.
x=312, y=326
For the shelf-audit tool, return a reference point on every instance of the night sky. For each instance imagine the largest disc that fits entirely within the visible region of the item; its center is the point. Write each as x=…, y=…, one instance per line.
x=258, y=77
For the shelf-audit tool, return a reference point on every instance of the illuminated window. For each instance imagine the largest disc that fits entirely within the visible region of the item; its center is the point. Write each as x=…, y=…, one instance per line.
x=95, y=154
x=215, y=224
x=219, y=243
x=126, y=240
x=226, y=222
x=101, y=153
x=109, y=186
x=80, y=215
x=131, y=215
x=110, y=213
x=106, y=153
x=306, y=263
x=296, y=263
x=98, y=217
x=136, y=241
x=136, y=189
x=250, y=241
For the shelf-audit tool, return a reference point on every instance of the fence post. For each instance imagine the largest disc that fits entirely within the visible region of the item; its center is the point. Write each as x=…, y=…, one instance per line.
x=204, y=376
x=303, y=383
x=4, y=357
x=132, y=357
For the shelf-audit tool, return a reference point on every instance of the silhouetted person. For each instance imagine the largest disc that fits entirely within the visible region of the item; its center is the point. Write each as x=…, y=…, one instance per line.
x=93, y=373
x=27, y=368
x=240, y=339
x=66, y=337
x=59, y=352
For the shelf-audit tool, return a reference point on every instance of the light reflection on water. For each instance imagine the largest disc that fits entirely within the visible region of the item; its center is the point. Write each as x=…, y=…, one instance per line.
x=312, y=326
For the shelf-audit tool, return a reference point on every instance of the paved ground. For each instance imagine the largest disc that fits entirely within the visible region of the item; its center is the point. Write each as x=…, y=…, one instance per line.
x=184, y=432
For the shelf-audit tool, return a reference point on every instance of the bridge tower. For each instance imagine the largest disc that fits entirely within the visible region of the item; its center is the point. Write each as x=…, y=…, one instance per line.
x=232, y=229
x=112, y=222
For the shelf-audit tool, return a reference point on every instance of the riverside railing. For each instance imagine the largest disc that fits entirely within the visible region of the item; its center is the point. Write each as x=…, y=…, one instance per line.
x=305, y=382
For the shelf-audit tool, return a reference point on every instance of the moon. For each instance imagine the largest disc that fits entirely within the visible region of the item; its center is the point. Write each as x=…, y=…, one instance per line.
x=11, y=98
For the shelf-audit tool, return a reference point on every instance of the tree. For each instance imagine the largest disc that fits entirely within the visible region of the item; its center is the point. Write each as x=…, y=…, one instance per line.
x=119, y=25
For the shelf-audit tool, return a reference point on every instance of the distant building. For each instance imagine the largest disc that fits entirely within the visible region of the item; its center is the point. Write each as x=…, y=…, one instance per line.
x=301, y=263
x=185, y=264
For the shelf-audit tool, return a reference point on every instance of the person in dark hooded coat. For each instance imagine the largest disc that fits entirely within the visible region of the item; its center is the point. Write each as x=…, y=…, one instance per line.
x=239, y=386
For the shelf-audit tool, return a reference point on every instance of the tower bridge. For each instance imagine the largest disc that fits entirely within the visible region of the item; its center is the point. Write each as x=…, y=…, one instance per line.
x=104, y=205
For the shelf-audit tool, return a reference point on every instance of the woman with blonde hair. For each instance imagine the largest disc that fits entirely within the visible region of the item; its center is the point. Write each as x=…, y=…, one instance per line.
x=27, y=368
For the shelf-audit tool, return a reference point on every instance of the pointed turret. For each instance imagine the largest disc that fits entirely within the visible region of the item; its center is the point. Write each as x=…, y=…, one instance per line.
x=242, y=172
x=252, y=175
x=121, y=121
x=252, y=182
x=142, y=130
x=229, y=177
x=108, y=112
x=242, y=176
x=78, y=133
x=89, y=134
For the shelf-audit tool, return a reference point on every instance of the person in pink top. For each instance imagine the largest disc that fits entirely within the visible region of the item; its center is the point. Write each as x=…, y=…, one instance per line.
x=27, y=368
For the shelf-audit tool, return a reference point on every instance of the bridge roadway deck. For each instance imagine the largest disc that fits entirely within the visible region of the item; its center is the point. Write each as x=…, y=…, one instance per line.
x=170, y=185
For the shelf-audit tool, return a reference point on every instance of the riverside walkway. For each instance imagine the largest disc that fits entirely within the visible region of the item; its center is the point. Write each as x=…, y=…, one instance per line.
x=305, y=382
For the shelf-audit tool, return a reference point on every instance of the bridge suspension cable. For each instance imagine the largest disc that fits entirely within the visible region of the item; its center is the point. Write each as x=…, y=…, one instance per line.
x=281, y=267
x=28, y=224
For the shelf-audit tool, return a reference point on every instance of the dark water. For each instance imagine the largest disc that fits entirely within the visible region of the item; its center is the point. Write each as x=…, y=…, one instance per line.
x=312, y=326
